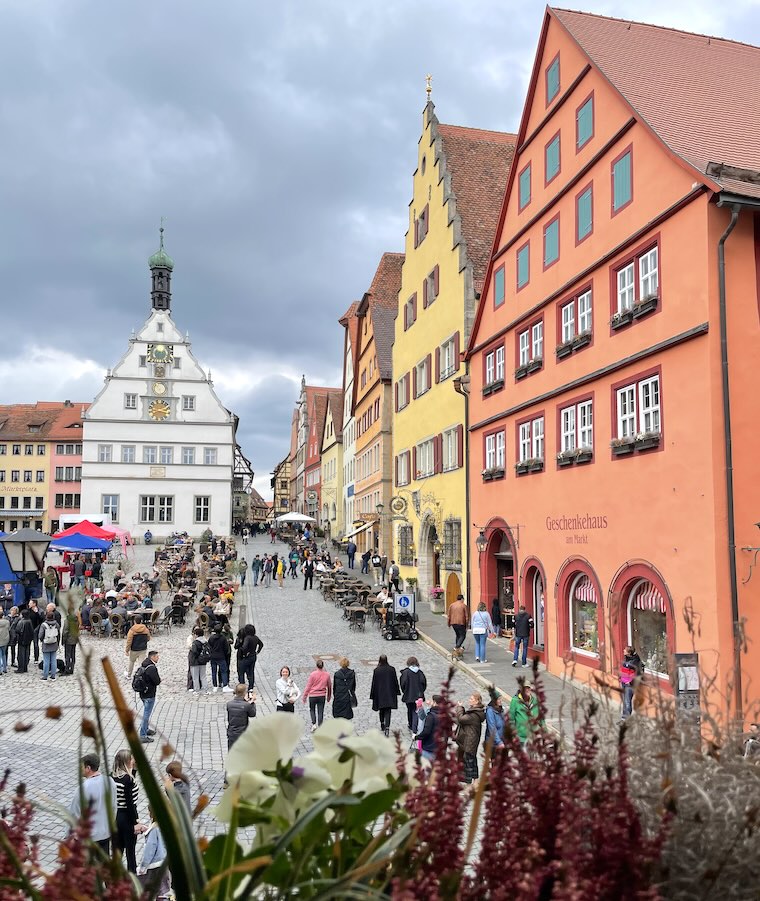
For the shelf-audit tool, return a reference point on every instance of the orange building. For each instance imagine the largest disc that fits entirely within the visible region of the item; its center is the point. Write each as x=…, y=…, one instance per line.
x=373, y=412
x=617, y=494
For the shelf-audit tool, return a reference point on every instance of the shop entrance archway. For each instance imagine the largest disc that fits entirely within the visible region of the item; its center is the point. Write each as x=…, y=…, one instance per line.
x=453, y=589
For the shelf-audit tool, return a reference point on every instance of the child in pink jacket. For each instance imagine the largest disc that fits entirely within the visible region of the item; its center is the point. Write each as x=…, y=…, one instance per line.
x=318, y=690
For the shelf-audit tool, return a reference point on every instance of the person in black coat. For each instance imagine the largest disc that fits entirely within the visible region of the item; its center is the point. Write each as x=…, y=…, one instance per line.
x=413, y=686
x=496, y=615
x=220, y=648
x=344, y=691
x=384, y=692
x=248, y=646
x=25, y=636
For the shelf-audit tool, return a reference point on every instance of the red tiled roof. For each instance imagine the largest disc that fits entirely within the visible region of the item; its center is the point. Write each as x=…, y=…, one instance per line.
x=382, y=300
x=350, y=321
x=478, y=162
x=44, y=420
x=700, y=94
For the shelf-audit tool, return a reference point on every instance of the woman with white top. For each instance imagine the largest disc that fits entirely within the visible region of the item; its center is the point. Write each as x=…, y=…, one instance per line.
x=482, y=626
x=287, y=691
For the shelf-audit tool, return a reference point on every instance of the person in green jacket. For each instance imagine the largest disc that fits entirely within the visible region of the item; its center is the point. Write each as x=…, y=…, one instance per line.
x=524, y=714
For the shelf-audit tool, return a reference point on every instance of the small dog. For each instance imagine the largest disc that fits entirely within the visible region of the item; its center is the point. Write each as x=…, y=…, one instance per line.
x=457, y=653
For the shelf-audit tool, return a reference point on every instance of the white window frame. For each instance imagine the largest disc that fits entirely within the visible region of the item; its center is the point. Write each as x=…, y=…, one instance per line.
x=210, y=456
x=450, y=449
x=537, y=341
x=188, y=456
x=165, y=508
x=130, y=401
x=150, y=454
x=538, y=438
x=567, y=429
x=128, y=453
x=166, y=455
x=649, y=274
x=585, y=424
x=568, y=322
x=525, y=441
x=426, y=456
x=202, y=508
x=188, y=403
x=499, y=366
x=403, y=468
x=625, y=288
x=490, y=367
x=625, y=405
x=491, y=451
x=147, y=508
x=109, y=504
x=649, y=404
x=403, y=400
x=524, y=342
x=447, y=361
x=421, y=377
x=585, y=312
x=105, y=453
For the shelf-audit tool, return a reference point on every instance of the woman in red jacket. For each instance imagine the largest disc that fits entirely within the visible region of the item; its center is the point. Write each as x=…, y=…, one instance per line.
x=318, y=690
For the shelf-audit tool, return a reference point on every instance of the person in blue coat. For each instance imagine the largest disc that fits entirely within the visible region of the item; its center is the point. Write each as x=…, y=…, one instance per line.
x=495, y=723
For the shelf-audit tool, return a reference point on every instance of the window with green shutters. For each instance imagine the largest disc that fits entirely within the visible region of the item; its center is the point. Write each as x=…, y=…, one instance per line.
x=584, y=123
x=523, y=265
x=622, y=181
x=552, y=80
x=584, y=215
x=498, y=287
x=551, y=242
x=552, y=159
x=524, y=187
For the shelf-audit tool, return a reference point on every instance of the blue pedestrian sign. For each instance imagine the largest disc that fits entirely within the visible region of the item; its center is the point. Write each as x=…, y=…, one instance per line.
x=402, y=604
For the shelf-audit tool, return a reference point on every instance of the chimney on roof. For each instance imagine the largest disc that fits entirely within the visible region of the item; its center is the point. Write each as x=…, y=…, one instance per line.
x=67, y=403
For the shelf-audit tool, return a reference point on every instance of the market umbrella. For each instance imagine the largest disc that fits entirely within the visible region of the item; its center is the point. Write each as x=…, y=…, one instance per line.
x=294, y=517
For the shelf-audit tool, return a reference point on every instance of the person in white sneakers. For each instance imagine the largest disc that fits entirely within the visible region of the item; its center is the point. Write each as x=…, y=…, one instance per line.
x=197, y=657
x=319, y=691
x=220, y=667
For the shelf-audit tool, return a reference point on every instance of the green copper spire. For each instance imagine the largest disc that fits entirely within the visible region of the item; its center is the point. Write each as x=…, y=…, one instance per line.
x=161, y=259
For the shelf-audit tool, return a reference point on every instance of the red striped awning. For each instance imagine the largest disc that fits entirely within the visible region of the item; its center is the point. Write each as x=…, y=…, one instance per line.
x=585, y=591
x=649, y=598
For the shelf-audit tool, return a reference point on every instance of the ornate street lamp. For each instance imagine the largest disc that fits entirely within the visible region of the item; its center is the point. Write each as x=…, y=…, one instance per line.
x=26, y=550
x=379, y=508
x=481, y=542
x=437, y=547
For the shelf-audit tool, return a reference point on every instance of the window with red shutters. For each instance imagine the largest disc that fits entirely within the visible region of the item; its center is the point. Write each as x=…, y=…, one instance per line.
x=460, y=446
x=437, y=365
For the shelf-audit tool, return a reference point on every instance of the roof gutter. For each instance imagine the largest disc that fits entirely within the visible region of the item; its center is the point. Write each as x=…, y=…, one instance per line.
x=727, y=442
x=462, y=386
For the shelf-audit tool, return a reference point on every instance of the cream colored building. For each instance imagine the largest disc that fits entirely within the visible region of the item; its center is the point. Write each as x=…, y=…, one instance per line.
x=331, y=513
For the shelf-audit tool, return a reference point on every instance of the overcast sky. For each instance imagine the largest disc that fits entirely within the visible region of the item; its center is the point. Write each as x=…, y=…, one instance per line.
x=279, y=140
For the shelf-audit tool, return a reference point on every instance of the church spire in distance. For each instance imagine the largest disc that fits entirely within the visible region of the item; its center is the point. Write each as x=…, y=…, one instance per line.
x=161, y=266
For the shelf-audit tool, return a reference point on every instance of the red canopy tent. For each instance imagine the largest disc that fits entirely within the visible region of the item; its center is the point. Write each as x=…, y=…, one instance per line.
x=85, y=527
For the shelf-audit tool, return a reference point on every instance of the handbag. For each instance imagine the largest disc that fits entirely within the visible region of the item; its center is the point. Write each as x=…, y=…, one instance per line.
x=479, y=630
x=354, y=699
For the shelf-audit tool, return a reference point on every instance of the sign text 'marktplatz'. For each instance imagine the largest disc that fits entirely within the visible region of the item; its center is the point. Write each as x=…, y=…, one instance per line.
x=575, y=522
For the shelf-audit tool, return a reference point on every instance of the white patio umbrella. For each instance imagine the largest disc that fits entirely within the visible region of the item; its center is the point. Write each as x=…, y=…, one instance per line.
x=294, y=517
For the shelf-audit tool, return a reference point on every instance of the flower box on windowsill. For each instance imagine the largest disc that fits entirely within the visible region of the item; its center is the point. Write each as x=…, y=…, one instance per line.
x=522, y=467
x=536, y=364
x=566, y=458
x=645, y=306
x=647, y=440
x=581, y=340
x=564, y=350
x=492, y=386
x=620, y=320
x=535, y=465
x=584, y=455
x=622, y=446
x=496, y=472
x=521, y=371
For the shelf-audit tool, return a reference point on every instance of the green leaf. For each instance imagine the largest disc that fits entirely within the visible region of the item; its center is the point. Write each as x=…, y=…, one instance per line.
x=370, y=808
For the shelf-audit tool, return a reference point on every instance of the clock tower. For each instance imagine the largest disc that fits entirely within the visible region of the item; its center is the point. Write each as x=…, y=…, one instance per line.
x=161, y=266
x=158, y=443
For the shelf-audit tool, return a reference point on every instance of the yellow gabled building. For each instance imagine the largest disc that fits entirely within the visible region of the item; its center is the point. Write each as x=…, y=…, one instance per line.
x=458, y=186
x=331, y=514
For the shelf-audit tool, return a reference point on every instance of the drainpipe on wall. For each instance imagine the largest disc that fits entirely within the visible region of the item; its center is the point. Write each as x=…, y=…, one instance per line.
x=462, y=386
x=735, y=209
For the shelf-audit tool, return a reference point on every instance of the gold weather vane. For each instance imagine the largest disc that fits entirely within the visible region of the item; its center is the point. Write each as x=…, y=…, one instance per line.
x=161, y=233
x=428, y=86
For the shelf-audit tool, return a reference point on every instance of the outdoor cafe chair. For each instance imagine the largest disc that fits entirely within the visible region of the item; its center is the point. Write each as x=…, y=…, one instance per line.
x=117, y=625
x=96, y=625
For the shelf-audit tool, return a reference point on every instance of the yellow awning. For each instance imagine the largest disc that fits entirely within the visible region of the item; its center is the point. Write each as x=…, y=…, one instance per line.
x=367, y=525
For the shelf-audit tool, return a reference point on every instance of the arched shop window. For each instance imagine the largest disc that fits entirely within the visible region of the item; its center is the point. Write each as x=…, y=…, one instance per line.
x=648, y=626
x=584, y=615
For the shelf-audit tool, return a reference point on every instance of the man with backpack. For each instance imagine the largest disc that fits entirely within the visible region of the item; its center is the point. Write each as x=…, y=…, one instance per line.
x=394, y=573
x=50, y=637
x=198, y=656
x=137, y=643
x=145, y=682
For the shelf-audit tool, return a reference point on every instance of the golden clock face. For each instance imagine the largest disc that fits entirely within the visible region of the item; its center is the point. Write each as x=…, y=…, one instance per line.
x=159, y=388
x=160, y=353
x=159, y=409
